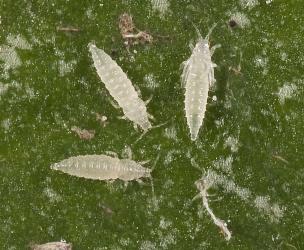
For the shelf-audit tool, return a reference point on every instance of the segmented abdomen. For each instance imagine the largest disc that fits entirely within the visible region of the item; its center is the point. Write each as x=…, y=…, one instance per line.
x=198, y=76
x=102, y=167
x=120, y=87
x=99, y=167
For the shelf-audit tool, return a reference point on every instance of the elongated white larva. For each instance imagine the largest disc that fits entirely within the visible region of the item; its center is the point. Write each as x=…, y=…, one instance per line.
x=120, y=87
x=60, y=245
x=102, y=167
x=197, y=77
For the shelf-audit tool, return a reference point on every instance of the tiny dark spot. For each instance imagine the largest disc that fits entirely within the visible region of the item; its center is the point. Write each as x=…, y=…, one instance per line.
x=114, y=52
x=232, y=23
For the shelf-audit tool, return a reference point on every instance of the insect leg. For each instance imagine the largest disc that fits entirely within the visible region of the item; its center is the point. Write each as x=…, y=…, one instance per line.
x=114, y=104
x=196, y=197
x=122, y=117
x=111, y=153
x=151, y=117
x=125, y=185
x=140, y=181
x=191, y=45
x=144, y=162
x=137, y=90
x=146, y=131
x=148, y=100
x=214, y=48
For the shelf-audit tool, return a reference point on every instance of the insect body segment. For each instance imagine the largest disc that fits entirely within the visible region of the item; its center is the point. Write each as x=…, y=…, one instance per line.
x=102, y=167
x=120, y=87
x=197, y=77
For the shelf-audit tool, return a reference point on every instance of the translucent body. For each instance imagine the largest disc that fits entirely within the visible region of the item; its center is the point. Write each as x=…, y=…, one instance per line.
x=102, y=167
x=120, y=87
x=198, y=75
x=53, y=246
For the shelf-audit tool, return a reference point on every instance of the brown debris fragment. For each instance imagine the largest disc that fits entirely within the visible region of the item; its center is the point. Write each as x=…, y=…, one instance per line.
x=278, y=157
x=68, y=29
x=130, y=33
x=126, y=24
x=237, y=70
x=83, y=133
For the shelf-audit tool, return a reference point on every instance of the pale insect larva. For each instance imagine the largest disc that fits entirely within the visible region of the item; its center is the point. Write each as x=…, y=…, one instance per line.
x=60, y=245
x=197, y=77
x=102, y=167
x=120, y=87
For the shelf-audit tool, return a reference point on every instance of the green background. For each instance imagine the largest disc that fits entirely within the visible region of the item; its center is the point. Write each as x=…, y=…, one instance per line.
x=255, y=123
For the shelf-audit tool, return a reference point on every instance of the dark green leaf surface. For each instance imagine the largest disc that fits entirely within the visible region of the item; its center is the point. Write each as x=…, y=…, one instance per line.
x=251, y=140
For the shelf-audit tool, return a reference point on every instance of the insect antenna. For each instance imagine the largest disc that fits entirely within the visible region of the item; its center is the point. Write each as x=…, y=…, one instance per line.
x=197, y=31
x=146, y=131
x=210, y=31
x=152, y=169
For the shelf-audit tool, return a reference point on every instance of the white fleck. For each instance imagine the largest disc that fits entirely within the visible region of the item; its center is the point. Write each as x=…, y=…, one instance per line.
x=284, y=56
x=243, y=193
x=90, y=13
x=148, y=245
x=125, y=242
x=8, y=53
x=273, y=211
x=249, y=3
x=3, y=88
x=167, y=240
x=241, y=19
x=269, y=1
x=10, y=57
x=168, y=184
x=262, y=203
x=164, y=224
x=52, y=195
x=66, y=67
x=171, y=133
x=261, y=61
x=6, y=124
x=161, y=6
x=170, y=155
x=232, y=143
x=287, y=91
x=150, y=81
x=219, y=123
x=153, y=204
x=18, y=41
x=30, y=92
x=224, y=164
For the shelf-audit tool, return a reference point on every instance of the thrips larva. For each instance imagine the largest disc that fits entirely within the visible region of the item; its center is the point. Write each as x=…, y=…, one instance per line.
x=197, y=77
x=102, y=167
x=120, y=88
x=60, y=245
